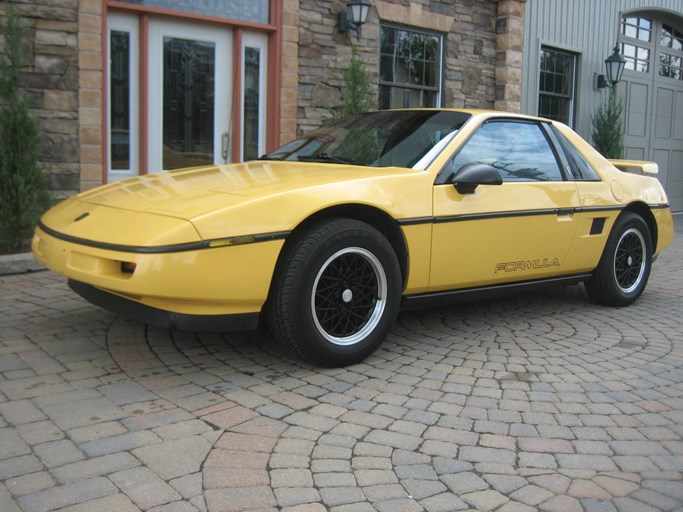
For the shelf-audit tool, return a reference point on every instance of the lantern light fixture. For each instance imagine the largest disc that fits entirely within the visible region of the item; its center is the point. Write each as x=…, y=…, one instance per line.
x=354, y=16
x=614, y=69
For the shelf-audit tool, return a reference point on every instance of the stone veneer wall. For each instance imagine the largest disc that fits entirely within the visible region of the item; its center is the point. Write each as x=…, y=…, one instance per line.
x=90, y=96
x=289, y=70
x=52, y=79
x=510, y=43
x=470, y=47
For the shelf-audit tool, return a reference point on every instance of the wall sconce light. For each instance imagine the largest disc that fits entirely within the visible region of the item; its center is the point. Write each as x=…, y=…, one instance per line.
x=614, y=68
x=354, y=17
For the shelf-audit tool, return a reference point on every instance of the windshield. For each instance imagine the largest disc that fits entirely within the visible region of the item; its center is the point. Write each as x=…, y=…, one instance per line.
x=401, y=138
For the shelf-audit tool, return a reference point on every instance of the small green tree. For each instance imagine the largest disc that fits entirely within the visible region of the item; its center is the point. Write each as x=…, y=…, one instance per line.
x=357, y=94
x=23, y=190
x=608, y=132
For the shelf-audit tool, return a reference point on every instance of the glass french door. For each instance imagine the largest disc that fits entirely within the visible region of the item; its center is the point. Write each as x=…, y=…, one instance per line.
x=189, y=93
x=183, y=116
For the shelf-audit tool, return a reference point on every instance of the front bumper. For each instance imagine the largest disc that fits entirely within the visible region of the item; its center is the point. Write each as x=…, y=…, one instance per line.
x=233, y=280
x=161, y=318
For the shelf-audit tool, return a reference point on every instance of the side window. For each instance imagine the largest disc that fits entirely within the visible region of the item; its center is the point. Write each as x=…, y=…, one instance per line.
x=519, y=150
x=557, y=85
x=580, y=169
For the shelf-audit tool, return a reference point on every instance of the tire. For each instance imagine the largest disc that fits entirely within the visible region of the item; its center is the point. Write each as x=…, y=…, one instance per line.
x=336, y=293
x=624, y=268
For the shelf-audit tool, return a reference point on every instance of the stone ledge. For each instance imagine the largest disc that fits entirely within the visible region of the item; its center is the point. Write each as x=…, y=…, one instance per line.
x=19, y=263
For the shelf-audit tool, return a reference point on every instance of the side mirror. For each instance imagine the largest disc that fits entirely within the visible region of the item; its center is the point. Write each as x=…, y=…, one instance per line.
x=471, y=175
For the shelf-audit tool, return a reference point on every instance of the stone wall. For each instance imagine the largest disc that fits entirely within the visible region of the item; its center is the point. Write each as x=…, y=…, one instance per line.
x=469, y=28
x=510, y=44
x=52, y=79
x=91, y=96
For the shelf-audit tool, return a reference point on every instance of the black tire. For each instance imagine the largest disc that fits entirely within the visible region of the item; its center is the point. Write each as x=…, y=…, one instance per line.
x=336, y=293
x=624, y=268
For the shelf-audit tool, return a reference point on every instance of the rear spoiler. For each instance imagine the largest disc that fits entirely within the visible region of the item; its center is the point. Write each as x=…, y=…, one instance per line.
x=639, y=165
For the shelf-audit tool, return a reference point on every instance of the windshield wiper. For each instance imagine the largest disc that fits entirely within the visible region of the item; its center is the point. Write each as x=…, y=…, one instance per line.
x=325, y=157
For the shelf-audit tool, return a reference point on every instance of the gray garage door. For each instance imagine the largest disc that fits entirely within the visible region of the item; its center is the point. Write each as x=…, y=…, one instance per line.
x=653, y=82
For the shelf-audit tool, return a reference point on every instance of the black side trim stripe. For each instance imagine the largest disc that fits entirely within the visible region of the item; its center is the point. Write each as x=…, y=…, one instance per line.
x=518, y=213
x=427, y=300
x=160, y=249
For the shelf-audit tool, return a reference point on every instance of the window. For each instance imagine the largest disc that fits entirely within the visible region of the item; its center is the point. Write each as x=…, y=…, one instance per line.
x=670, y=64
x=409, y=69
x=671, y=38
x=637, y=28
x=252, y=82
x=637, y=57
x=556, y=86
x=253, y=10
x=520, y=151
x=579, y=168
x=119, y=110
x=640, y=30
x=254, y=95
x=188, y=88
x=122, y=97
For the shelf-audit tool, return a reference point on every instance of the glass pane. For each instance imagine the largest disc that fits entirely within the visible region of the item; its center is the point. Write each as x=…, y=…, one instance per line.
x=400, y=97
x=637, y=58
x=671, y=38
x=387, y=68
x=637, y=28
x=557, y=73
x=253, y=10
x=388, y=37
x=188, y=103
x=252, y=80
x=119, y=89
x=554, y=107
x=671, y=66
x=630, y=31
x=519, y=151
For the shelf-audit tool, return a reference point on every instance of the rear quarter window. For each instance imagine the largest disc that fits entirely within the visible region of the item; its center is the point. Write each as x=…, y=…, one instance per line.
x=580, y=169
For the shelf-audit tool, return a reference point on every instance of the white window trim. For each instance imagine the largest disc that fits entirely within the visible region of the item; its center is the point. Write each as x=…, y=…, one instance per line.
x=260, y=42
x=125, y=23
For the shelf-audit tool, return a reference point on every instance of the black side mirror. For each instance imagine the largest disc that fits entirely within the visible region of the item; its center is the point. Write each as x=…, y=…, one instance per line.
x=471, y=175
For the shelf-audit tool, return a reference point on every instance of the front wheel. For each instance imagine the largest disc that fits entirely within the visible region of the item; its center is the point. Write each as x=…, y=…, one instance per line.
x=336, y=294
x=624, y=268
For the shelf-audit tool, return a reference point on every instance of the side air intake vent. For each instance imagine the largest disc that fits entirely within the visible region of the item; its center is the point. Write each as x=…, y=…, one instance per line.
x=597, y=226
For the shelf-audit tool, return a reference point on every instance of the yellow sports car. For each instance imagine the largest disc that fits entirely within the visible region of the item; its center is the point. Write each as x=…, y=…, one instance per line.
x=329, y=236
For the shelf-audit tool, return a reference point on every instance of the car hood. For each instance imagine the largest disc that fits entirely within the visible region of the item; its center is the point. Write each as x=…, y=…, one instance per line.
x=209, y=202
x=191, y=193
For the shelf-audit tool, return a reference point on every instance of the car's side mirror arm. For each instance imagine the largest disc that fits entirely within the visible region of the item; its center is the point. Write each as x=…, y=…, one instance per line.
x=471, y=175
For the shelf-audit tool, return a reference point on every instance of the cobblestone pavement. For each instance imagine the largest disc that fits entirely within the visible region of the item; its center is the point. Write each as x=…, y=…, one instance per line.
x=536, y=402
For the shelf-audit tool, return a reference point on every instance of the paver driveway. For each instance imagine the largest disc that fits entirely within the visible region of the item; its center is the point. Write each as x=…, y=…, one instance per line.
x=536, y=402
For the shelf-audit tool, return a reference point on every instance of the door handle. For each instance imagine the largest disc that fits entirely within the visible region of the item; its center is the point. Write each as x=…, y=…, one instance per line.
x=225, y=146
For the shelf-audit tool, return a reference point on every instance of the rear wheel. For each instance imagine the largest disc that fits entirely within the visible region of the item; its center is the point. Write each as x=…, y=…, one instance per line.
x=336, y=294
x=624, y=268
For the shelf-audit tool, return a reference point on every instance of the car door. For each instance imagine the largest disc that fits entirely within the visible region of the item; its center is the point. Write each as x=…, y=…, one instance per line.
x=520, y=230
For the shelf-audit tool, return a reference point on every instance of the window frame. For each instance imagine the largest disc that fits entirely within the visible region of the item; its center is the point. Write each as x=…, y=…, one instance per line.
x=571, y=97
x=121, y=22
x=446, y=173
x=258, y=42
x=438, y=89
x=569, y=154
x=664, y=52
